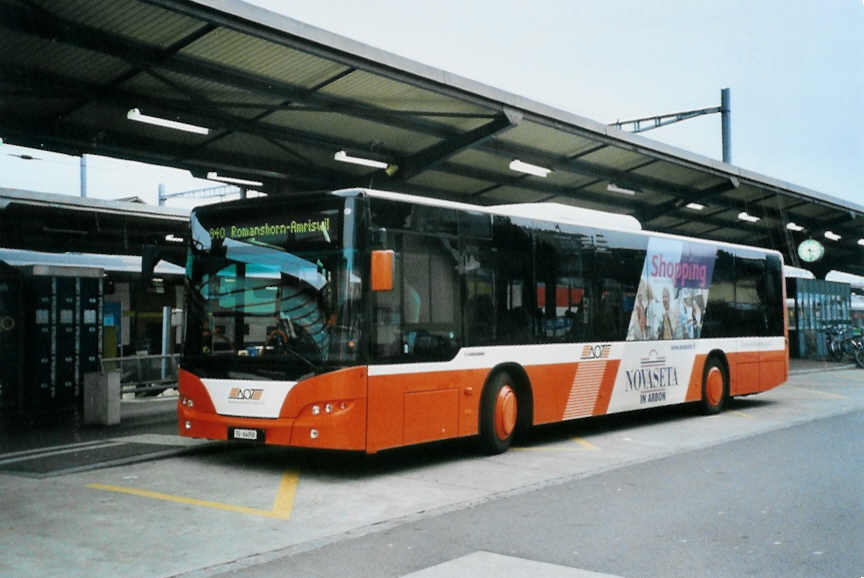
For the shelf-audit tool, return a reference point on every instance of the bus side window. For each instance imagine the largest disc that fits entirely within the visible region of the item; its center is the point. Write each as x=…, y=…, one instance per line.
x=719, y=317
x=618, y=260
x=480, y=315
x=749, y=299
x=420, y=319
x=387, y=317
x=772, y=281
x=513, y=297
x=561, y=287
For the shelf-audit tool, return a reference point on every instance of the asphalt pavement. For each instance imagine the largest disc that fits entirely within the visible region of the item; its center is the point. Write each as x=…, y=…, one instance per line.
x=772, y=486
x=784, y=503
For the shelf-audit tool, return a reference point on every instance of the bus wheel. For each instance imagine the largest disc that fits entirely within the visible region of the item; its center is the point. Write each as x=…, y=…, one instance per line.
x=715, y=386
x=499, y=413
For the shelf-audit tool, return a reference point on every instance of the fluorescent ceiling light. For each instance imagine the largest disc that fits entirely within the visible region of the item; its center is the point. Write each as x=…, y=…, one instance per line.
x=135, y=114
x=213, y=176
x=613, y=188
x=832, y=236
x=743, y=216
x=861, y=242
x=529, y=169
x=794, y=227
x=695, y=206
x=342, y=156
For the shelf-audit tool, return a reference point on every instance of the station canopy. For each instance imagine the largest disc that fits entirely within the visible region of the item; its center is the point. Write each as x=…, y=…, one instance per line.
x=280, y=98
x=63, y=223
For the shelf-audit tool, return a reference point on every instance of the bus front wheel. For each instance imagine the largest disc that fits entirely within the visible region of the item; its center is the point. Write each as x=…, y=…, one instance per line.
x=715, y=386
x=499, y=414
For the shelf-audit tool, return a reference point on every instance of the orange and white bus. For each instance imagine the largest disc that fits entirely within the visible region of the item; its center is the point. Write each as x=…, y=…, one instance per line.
x=366, y=320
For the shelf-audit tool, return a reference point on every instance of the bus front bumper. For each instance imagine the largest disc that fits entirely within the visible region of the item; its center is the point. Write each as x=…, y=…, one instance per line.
x=326, y=412
x=342, y=430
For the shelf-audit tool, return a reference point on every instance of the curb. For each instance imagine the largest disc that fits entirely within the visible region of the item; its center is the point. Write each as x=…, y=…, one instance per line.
x=822, y=369
x=148, y=412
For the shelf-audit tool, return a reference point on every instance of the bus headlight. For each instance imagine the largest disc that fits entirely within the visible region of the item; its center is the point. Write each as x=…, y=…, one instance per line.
x=328, y=408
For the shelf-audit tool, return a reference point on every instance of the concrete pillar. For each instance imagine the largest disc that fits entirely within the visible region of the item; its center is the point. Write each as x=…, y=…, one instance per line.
x=102, y=398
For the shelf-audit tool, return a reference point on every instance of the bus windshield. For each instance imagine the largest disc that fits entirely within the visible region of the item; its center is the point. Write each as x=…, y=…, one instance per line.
x=271, y=293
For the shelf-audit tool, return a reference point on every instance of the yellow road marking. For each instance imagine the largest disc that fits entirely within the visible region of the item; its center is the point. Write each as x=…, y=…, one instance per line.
x=282, y=505
x=741, y=413
x=560, y=446
x=817, y=392
x=586, y=444
x=284, y=501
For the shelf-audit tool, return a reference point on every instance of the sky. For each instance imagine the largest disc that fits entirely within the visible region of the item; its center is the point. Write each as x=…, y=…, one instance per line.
x=795, y=69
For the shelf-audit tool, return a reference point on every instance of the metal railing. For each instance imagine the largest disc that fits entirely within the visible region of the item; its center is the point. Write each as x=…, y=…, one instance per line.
x=144, y=373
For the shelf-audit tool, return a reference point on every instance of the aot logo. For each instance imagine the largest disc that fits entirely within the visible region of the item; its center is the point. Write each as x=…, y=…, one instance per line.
x=596, y=351
x=245, y=394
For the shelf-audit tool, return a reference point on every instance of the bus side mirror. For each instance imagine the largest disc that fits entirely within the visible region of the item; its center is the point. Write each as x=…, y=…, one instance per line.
x=383, y=263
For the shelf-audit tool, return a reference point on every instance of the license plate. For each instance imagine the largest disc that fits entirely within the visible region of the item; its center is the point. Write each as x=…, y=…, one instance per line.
x=245, y=434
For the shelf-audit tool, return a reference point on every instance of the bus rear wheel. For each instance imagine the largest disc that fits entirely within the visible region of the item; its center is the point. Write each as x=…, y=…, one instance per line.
x=715, y=386
x=499, y=413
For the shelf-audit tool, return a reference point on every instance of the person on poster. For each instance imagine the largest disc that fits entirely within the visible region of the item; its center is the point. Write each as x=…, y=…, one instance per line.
x=639, y=320
x=698, y=306
x=653, y=315
x=668, y=328
x=685, y=316
x=641, y=317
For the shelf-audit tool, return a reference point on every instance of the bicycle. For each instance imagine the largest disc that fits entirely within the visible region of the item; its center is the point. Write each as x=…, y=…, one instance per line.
x=857, y=345
x=844, y=343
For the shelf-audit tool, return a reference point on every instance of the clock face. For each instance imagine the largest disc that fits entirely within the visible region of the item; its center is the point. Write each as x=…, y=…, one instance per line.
x=810, y=250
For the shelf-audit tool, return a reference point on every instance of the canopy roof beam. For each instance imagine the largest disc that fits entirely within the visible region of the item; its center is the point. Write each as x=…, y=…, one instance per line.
x=44, y=24
x=695, y=197
x=68, y=138
x=174, y=48
x=209, y=116
x=436, y=154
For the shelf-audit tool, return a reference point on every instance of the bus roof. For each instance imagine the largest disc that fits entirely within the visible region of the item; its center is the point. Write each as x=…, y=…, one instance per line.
x=557, y=212
x=551, y=212
x=548, y=212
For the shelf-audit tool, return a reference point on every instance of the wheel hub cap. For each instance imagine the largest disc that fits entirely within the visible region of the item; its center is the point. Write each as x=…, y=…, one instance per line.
x=714, y=386
x=505, y=412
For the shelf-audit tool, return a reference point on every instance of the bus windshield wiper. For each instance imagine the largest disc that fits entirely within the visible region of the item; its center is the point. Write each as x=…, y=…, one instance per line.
x=315, y=367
